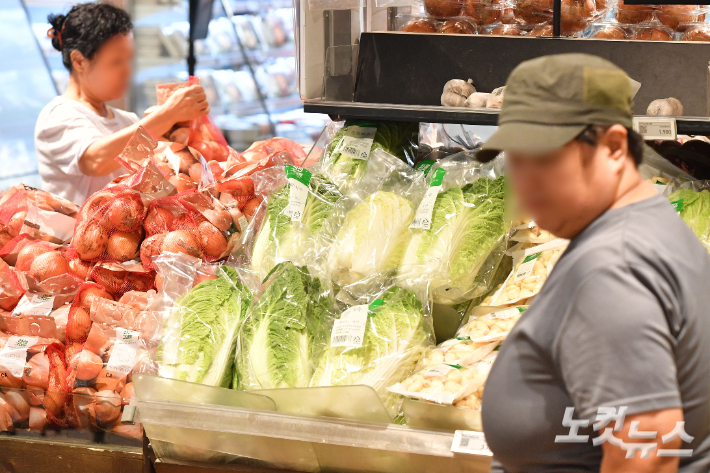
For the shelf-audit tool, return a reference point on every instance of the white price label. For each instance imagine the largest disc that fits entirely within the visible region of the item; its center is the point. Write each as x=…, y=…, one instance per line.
x=13, y=355
x=445, y=346
x=349, y=329
x=656, y=128
x=357, y=142
x=243, y=224
x=440, y=370
x=297, y=195
x=422, y=219
x=661, y=188
x=123, y=356
x=503, y=314
x=466, y=441
x=38, y=304
x=526, y=267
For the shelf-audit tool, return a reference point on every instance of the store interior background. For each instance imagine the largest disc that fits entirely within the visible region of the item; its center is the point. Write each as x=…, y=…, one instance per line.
x=31, y=72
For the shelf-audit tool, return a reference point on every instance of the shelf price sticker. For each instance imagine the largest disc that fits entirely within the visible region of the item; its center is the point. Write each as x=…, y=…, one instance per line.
x=505, y=313
x=349, y=329
x=656, y=128
x=422, y=219
x=357, y=142
x=123, y=356
x=298, y=179
x=13, y=355
x=472, y=443
x=440, y=370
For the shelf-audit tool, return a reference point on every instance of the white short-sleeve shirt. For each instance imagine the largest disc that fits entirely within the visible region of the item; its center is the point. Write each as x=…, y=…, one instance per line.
x=65, y=129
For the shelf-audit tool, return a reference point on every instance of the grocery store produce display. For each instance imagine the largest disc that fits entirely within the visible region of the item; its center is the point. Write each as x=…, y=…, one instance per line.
x=273, y=268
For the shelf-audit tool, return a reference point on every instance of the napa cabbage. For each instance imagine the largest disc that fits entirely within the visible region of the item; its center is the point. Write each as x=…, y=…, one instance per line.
x=370, y=238
x=279, y=239
x=396, y=335
x=202, y=329
x=467, y=225
x=694, y=209
x=393, y=137
x=285, y=330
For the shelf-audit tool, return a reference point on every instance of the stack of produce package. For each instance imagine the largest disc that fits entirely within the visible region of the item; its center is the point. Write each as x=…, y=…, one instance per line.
x=691, y=199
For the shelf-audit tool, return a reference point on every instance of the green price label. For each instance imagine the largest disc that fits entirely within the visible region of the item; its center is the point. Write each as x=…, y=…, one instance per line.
x=301, y=175
x=678, y=205
x=531, y=257
x=425, y=166
x=375, y=304
x=437, y=178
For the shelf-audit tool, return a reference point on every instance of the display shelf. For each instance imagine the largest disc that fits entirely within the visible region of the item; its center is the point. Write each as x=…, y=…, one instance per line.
x=438, y=114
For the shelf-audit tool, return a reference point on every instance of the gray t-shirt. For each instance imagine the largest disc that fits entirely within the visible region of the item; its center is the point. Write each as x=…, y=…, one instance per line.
x=623, y=320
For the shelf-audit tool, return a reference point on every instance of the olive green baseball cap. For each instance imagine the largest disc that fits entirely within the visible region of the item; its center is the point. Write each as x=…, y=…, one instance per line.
x=550, y=100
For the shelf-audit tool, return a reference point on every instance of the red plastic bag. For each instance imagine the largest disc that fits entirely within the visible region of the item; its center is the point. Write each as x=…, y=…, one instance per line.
x=175, y=225
x=120, y=278
x=262, y=149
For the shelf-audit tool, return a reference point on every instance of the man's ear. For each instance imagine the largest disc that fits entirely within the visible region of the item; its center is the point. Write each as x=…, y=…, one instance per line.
x=616, y=139
x=78, y=61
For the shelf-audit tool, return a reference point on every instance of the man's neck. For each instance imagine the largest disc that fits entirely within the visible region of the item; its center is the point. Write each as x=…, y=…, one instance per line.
x=632, y=188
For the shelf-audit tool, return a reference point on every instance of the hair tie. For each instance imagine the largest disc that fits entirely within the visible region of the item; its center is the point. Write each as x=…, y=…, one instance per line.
x=54, y=34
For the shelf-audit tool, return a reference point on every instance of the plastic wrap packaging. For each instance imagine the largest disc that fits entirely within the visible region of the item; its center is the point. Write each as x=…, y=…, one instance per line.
x=38, y=214
x=120, y=278
x=291, y=219
x=438, y=140
x=285, y=330
x=373, y=220
x=691, y=199
x=412, y=23
x=202, y=133
x=457, y=235
x=263, y=149
x=378, y=338
x=11, y=288
x=120, y=343
x=175, y=224
x=531, y=267
x=79, y=320
x=201, y=327
x=32, y=382
x=674, y=16
x=235, y=188
x=485, y=324
x=345, y=157
x=458, y=351
x=608, y=30
x=696, y=32
x=184, y=167
x=633, y=14
x=652, y=32
x=444, y=383
x=527, y=231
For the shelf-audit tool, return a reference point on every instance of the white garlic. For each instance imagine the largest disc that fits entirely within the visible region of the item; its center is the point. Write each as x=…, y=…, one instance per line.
x=456, y=91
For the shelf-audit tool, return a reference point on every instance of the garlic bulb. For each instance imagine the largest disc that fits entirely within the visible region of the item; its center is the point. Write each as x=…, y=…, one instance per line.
x=456, y=91
x=477, y=100
x=496, y=98
x=670, y=107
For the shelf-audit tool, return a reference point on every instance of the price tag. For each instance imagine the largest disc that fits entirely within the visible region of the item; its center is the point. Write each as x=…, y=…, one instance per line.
x=357, y=142
x=298, y=179
x=656, y=128
x=425, y=166
x=38, y=304
x=123, y=356
x=13, y=355
x=526, y=267
x=243, y=224
x=505, y=313
x=440, y=370
x=349, y=329
x=466, y=441
x=445, y=346
x=422, y=219
x=677, y=205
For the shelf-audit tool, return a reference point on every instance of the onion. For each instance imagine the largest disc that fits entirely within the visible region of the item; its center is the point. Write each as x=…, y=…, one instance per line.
x=204, y=149
x=181, y=241
x=134, y=431
x=151, y=247
x=126, y=212
x=78, y=326
x=27, y=255
x=97, y=343
x=182, y=182
x=7, y=380
x=186, y=159
x=79, y=268
x=37, y=371
x=220, y=152
x=84, y=402
x=250, y=208
x=87, y=297
x=72, y=351
x=124, y=246
x=195, y=172
x=159, y=281
x=90, y=241
x=36, y=395
x=127, y=393
x=94, y=203
x=219, y=218
x=49, y=265
x=38, y=418
x=17, y=221
x=88, y=366
x=108, y=406
x=6, y=424
x=8, y=302
x=212, y=240
x=158, y=220
x=180, y=135
x=20, y=401
x=108, y=380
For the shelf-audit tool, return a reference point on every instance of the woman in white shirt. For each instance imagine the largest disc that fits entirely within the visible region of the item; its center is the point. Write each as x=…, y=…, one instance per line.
x=77, y=135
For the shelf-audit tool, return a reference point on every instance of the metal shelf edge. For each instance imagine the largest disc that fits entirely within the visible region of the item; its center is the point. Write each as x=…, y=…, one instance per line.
x=438, y=114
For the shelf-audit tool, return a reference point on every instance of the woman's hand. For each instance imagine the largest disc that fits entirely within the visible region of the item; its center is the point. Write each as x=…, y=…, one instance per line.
x=185, y=104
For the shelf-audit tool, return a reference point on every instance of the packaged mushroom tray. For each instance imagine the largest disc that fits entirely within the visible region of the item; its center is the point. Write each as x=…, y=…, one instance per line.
x=646, y=31
x=426, y=24
x=531, y=267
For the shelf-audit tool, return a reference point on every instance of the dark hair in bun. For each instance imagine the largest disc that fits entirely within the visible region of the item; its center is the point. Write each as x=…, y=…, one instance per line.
x=86, y=28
